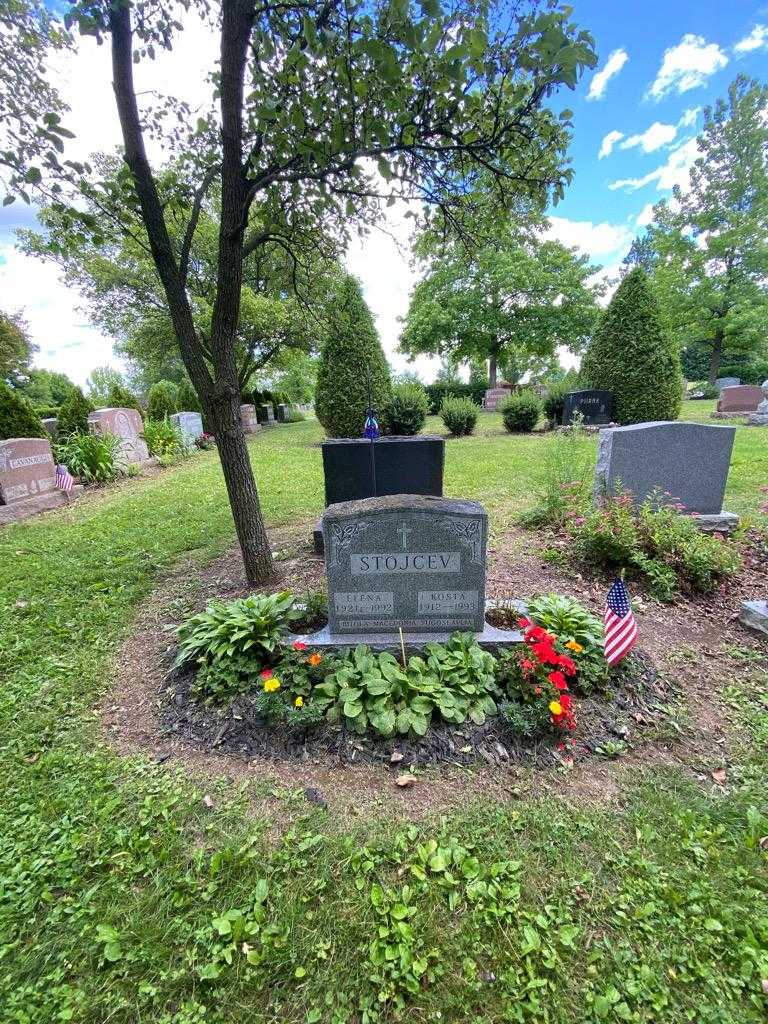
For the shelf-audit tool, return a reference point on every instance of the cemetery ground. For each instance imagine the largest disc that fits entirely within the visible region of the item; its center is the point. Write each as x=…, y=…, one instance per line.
x=144, y=879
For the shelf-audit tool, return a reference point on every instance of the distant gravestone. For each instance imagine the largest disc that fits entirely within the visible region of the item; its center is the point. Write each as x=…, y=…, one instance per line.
x=594, y=406
x=267, y=415
x=51, y=425
x=493, y=396
x=189, y=423
x=126, y=425
x=283, y=413
x=682, y=462
x=760, y=416
x=249, y=419
x=405, y=561
x=727, y=382
x=28, y=479
x=740, y=398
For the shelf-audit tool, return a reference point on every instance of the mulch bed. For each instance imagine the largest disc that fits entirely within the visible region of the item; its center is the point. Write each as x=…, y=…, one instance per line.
x=687, y=653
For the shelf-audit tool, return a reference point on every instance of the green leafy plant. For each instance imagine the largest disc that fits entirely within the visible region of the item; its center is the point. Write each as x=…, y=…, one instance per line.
x=521, y=412
x=657, y=541
x=165, y=440
x=91, y=457
x=579, y=634
x=250, y=625
x=406, y=411
x=459, y=415
x=554, y=402
x=563, y=482
x=375, y=691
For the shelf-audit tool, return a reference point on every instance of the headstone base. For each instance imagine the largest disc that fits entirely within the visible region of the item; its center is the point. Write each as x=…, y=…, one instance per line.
x=721, y=522
x=41, y=503
x=756, y=420
x=754, y=615
x=491, y=637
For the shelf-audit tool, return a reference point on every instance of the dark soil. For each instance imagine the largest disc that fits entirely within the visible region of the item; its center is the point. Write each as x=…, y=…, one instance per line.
x=636, y=703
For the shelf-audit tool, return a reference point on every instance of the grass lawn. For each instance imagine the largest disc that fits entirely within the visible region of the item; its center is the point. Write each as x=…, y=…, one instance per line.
x=126, y=897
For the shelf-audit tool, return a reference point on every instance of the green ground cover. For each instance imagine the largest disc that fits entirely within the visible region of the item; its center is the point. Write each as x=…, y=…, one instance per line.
x=124, y=898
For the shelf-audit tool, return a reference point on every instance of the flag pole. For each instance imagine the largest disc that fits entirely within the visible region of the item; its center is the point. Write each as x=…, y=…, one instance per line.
x=372, y=439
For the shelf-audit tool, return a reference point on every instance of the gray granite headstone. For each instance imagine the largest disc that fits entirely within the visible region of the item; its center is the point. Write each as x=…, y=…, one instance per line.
x=405, y=561
x=754, y=615
x=266, y=414
x=283, y=412
x=759, y=418
x=690, y=461
x=189, y=423
x=727, y=382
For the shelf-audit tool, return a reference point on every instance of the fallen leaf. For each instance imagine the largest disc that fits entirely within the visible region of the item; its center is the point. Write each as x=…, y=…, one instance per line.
x=720, y=775
x=406, y=781
x=763, y=843
x=396, y=757
x=208, y=800
x=21, y=604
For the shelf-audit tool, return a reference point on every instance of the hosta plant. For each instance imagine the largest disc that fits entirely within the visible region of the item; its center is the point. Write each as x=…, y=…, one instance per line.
x=91, y=457
x=579, y=635
x=251, y=625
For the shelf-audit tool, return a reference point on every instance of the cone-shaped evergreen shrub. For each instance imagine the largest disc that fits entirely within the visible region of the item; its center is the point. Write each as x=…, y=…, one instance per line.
x=630, y=356
x=120, y=397
x=17, y=417
x=73, y=415
x=162, y=400
x=187, y=397
x=352, y=346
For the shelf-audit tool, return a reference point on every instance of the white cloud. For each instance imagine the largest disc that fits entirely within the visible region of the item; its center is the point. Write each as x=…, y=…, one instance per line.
x=674, y=172
x=600, y=79
x=756, y=40
x=688, y=118
x=609, y=141
x=67, y=342
x=598, y=241
x=687, y=66
x=645, y=216
x=652, y=138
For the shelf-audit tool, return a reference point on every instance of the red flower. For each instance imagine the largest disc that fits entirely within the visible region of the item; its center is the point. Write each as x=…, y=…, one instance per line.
x=527, y=665
x=545, y=653
x=267, y=673
x=535, y=634
x=523, y=622
x=537, y=690
x=299, y=646
x=558, y=681
x=565, y=702
x=567, y=664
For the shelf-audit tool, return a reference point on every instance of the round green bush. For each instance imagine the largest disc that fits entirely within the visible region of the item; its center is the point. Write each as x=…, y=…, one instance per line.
x=521, y=412
x=353, y=347
x=163, y=400
x=73, y=415
x=631, y=356
x=17, y=417
x=459, y=415
x=554, y=402
x=406, y=413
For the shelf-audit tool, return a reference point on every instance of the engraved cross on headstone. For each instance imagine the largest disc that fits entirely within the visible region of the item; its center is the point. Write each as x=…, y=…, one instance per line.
x=404, y=532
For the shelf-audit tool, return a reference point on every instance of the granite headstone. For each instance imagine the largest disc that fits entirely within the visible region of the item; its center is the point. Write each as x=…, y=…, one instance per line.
x=727, y=382
x=759, y=417
x=283, y=413
x=189, y=423
x=754, y=615
x=248, y=419
x=126, y=425
x=688, y=461
x=740, y=398
x=26, y=469
x=405, y=561
x=493, y=396
x=267, y=415
x=594, y=406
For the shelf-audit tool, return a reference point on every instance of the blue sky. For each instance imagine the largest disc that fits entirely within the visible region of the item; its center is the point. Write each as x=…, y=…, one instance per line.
x=659, y=64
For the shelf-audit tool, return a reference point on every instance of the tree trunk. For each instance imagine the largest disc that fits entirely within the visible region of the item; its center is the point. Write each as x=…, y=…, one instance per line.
x=492, y=370
x=715, y=355
x=243, y=495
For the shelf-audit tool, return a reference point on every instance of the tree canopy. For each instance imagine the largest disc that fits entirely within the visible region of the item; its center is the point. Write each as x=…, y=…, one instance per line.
x=16, y=348
x=323, y=111
x=707, y=251
x=512, y=301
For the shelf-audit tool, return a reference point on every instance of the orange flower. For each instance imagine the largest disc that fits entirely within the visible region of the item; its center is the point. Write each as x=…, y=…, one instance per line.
x=315, y=659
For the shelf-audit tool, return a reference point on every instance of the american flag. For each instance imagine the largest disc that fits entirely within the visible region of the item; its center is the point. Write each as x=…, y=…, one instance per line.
x=619, y=623
x=64, y=481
